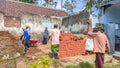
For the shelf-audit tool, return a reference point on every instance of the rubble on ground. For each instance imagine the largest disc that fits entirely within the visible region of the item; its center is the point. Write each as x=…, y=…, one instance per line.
x=10, y=46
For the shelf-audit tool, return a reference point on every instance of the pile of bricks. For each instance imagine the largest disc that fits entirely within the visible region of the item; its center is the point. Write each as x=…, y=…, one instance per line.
x=70, y=45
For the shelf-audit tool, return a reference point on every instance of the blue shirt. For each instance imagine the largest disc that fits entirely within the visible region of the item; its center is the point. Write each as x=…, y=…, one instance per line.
x=26, y=35
x=46, y=34
x=28, y=29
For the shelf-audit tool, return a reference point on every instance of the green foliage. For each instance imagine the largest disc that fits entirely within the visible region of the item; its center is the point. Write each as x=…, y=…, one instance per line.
x=56, y=61
x=29, y=1
x=88, y=65
x=70, y=5
x=43, y=62
x=72, y=66
x=81, y=65
x=85, y=65
x=99, y=26
x=48, y=3
x=112, y=66
x=92, y=3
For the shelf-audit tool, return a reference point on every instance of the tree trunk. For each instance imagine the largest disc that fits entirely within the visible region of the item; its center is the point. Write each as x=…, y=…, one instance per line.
x=61, y=3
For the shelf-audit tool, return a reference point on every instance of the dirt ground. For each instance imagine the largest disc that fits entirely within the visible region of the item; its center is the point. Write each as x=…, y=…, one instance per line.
x=36, y=52
x=45, y=49
x=10, y=44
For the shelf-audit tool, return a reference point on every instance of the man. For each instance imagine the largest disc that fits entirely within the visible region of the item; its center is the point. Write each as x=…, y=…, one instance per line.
x=28, y=29
x=26, y=40
x=101, y=43
x=45, y=36
x=55, y=34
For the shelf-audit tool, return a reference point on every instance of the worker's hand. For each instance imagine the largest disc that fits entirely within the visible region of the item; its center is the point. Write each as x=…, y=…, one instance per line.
x=108, y=52
x=49, y=37
x=89, y=22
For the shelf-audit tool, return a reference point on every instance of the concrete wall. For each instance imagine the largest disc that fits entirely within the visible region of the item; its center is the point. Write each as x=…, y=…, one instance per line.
x=37, y=24
x=111, y=14
x=110, y=32
x=76, y=23
x=1, y=22
x=110, y=17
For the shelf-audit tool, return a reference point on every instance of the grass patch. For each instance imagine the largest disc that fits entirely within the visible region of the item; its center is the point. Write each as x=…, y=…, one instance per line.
x=88, y=65
x=43, y=62
x=81, y=65
x=112, y=66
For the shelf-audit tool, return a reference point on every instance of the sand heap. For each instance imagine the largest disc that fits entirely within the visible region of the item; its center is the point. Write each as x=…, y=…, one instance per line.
x=9, y=45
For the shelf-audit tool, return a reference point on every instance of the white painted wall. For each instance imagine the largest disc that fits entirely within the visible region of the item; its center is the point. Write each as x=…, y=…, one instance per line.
x=1, y=22
x=37, y=24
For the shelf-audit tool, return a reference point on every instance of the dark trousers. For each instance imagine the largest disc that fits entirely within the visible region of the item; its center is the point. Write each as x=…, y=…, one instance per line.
x=44, y=40
x=99, y=62
x=26, y=45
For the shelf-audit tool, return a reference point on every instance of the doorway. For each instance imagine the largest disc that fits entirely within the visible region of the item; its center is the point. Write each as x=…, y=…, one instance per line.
x=117, y=37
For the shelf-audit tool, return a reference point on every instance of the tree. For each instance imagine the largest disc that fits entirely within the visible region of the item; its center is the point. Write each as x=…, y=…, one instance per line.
x=92, y=3
x=61, y=3
x=70, y=5
x=50, y=3
x=28, y=1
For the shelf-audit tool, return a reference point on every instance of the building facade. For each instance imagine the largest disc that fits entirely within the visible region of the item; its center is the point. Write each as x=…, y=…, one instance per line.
x=15, y=15
x=110, y=17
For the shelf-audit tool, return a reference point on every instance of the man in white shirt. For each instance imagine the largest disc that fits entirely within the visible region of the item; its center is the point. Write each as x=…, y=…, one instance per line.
x=55, y=34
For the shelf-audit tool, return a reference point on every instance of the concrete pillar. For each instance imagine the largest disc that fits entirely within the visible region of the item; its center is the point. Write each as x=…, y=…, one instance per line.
x=110, y=32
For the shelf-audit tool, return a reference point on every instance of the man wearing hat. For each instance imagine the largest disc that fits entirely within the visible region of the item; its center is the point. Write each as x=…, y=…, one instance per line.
x=101, y=44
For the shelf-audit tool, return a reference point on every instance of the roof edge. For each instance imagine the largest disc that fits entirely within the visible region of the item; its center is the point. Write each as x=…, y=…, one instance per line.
x=109, y=3
x=35, y=5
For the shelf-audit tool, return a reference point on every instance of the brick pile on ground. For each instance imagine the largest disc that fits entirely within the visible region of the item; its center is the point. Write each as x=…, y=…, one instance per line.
x=71, y=45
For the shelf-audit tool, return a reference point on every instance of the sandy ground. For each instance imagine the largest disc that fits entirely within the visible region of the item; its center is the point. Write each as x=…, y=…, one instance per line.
x=36, y=52
x=10, y=44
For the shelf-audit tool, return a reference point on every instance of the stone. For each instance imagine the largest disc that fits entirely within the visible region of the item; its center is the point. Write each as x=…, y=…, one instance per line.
x=17, y=54
x=21, y=64
x=5, y=57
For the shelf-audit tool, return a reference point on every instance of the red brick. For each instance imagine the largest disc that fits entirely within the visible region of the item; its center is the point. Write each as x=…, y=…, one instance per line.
x=71, y=46
x=12, y=22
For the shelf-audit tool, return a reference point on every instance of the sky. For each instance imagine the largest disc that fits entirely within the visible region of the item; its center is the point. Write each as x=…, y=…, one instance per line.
x=80, y=6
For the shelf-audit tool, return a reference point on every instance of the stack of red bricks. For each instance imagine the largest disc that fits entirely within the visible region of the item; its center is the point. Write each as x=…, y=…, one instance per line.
x=70, y=45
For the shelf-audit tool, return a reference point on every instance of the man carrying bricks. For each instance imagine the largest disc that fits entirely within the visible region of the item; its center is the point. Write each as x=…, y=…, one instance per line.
x=55, y=34
x=101, y=44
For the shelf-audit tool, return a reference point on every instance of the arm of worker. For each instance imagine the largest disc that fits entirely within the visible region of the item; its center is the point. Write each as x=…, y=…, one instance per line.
x=49, y=37
x=89, y=25
x=23, y=36
x=90, y=30
x=50, y=34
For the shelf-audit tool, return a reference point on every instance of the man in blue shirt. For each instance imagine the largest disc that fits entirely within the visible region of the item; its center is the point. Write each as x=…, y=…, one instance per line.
x=26, y=40
x=45, y=36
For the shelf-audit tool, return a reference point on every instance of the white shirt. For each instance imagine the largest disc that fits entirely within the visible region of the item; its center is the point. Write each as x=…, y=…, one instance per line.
x=55, y=34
